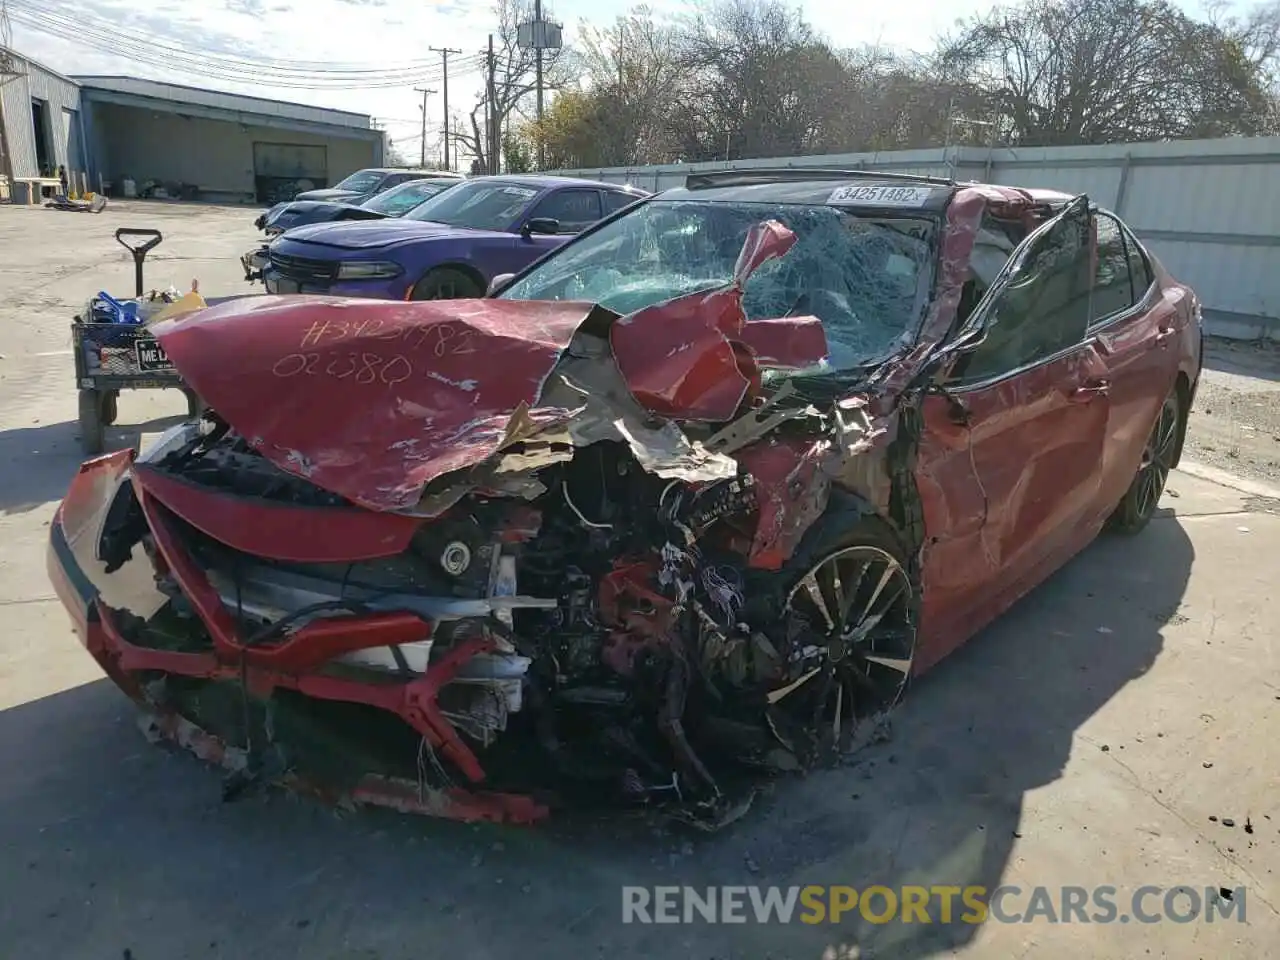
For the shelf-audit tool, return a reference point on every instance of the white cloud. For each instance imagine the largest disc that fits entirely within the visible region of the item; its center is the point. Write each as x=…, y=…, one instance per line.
x=385, y=35
x=371, y=34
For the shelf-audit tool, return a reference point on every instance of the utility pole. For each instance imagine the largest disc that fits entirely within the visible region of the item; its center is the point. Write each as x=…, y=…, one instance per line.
x=444, y=57
x=425, y=93
x=539, y=35
x=537, y=61
x=492, y=100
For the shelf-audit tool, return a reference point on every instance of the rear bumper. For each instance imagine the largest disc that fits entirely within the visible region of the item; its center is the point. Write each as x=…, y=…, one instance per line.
x=295, y=663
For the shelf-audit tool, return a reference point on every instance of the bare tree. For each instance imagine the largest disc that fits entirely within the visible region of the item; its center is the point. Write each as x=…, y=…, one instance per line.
x=634, y=73
x=1099, y=71
x=750, y=78
x=514, y=83
x=760, y=83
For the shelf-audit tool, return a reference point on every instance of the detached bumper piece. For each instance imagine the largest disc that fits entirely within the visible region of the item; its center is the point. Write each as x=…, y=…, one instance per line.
x=414, y=702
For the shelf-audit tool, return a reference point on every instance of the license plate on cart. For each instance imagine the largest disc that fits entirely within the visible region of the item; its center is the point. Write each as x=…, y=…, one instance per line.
x=151, y=355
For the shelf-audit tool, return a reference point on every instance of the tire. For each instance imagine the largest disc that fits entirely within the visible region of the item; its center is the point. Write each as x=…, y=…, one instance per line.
x=92, y=433
x=110, y=406
x=875, y=662
x=1140, y=501
x=446, y=283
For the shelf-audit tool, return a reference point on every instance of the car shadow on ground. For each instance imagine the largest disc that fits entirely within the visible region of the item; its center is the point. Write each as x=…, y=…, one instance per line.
x=42, y=459
x=116, y=845
x=1245, y=358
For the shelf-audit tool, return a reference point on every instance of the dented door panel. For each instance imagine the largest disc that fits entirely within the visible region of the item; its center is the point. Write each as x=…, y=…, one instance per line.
x=1006, y=491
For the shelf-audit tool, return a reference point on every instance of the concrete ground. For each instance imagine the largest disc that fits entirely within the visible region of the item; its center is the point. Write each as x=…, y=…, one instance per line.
x=1121, y=726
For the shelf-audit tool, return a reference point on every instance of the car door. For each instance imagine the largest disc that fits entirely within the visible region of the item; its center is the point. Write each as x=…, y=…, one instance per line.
x=1135, y=328
x=1007, y=465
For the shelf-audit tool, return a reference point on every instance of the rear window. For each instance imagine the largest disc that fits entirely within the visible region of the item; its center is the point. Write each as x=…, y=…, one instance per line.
x=400, y=200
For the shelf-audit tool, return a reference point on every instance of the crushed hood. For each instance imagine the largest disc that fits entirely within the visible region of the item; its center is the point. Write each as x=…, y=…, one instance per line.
x=373, y=400
x=364, y=235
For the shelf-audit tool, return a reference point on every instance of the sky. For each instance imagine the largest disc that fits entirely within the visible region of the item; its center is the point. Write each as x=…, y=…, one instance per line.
x=388, y=38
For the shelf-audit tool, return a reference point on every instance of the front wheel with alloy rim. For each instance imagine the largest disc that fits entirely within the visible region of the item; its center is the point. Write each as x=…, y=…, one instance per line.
x=1143, y=496
x=852, y=619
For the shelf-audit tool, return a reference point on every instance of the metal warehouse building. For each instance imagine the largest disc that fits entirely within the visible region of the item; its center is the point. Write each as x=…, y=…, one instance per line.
x=203, y=143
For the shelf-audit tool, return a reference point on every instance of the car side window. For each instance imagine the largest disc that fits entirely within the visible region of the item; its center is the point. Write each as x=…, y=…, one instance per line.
x=1139, y=266
x=391, y=180
x=1113, y=289
x=1043, y=309
x=613, y=202
x=575, y=209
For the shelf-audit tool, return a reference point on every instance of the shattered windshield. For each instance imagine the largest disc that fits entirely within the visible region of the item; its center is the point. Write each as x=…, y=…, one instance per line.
x=865, y=277
x=478, y=204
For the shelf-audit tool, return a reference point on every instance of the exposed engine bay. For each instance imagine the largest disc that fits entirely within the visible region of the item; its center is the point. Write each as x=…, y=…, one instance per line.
x=635, y=656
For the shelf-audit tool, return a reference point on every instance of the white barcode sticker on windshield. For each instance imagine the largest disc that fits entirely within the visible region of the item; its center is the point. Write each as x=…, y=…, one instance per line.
x=881, y=195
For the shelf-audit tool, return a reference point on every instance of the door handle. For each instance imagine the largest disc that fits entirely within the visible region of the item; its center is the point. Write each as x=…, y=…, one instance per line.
x=1164, y=334
x=1087, y=392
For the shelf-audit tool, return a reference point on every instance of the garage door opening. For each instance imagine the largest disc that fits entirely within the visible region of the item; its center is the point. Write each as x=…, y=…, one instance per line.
x=43, y=137
x=282, y=170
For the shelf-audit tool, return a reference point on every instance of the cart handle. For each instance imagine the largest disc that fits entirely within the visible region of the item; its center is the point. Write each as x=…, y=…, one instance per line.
x=139, y=250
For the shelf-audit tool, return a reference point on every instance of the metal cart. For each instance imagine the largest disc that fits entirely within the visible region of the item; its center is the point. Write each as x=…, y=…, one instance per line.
x=111, y=357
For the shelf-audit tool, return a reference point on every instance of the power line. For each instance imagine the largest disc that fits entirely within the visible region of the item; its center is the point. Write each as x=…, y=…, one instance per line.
x=80, y=21
x=180, y=59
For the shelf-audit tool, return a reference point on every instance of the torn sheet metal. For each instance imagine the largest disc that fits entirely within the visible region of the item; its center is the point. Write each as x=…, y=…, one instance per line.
x=605, y=410
x=371, y=400
x=678, y=359
x=684, y=359
x=792, y=490
x=791, y=343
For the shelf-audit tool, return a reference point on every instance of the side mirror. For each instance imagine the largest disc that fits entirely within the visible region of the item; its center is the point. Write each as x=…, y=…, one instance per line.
x=498, y=282
x=548, y=225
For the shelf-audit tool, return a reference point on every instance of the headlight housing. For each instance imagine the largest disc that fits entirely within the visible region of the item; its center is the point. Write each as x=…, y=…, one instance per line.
x=367, y=269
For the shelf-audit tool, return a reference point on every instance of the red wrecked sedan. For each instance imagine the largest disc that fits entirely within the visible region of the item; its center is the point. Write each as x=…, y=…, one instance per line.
x=693, y=496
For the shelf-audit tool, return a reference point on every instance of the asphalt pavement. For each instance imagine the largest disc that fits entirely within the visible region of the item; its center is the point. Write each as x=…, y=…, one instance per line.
x=1119, y=727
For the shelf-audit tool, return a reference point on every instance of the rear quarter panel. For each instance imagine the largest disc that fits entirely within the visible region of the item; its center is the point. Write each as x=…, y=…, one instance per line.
x=1190, y=321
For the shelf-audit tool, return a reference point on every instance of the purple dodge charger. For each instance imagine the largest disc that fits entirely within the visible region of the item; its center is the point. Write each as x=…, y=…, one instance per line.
x=452, y=246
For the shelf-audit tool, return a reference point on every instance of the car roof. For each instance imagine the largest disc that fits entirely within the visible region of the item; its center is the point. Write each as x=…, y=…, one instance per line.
x=810, y=185
x=420, y=180
x=546, y=181
x=449, y=174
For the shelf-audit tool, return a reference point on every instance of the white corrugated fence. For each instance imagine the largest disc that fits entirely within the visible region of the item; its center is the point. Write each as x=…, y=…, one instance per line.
x=1209, y=209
